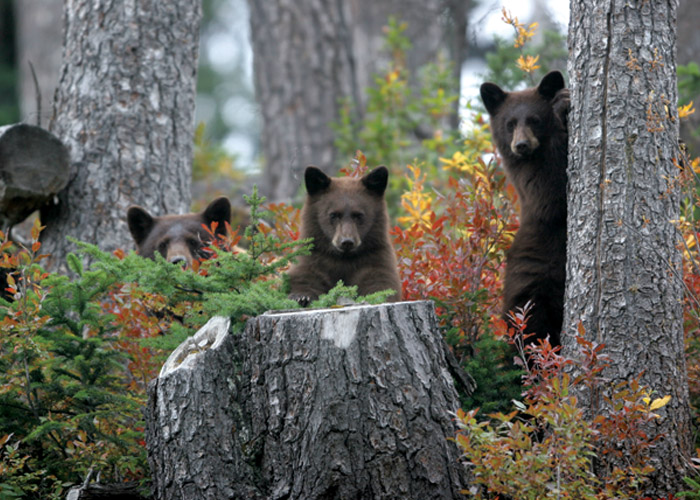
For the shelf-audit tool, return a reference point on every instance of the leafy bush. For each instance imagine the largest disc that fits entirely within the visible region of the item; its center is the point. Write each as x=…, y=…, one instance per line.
x=71, y=347
x=547, y=446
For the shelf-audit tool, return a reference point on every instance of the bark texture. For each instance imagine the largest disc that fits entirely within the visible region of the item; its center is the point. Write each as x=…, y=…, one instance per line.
x=125, y=109
x=34, y=167
x=39, y=35
x=308, y=55
x=623, y=268
x=321, y=404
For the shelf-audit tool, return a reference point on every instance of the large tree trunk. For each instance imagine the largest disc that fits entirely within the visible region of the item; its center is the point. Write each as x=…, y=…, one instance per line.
x=125, y=109
x=309, y=55
x=623, y=266
x=39, y=35
x=321, y=404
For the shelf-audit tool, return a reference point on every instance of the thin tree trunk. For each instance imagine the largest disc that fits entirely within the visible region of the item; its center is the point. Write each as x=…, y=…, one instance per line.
x=303, y=64
x=324, y=404
x=39, y=36
x=623, y=269
x=308, y=55
x=125, y=109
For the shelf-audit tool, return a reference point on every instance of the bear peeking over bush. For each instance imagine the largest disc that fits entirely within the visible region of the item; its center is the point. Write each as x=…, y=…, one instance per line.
x=178, y=238
x=530, y=132
x=348, y=221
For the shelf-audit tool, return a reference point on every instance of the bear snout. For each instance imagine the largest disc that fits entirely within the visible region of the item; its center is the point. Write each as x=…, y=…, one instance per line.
x=347, y=244
x=522, y=148
x=524, y=141
x=346, y=239
x=179, y=253
x=181, y=260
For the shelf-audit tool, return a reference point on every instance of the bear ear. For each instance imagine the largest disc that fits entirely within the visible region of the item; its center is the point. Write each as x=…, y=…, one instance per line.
x=493, y=96
x=552, y=83
x=219, y=211
x=376, y=180
x=315, y=180
x=140, y=223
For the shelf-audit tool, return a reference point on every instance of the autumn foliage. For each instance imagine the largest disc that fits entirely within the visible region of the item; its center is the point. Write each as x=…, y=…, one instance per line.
x=77, y=354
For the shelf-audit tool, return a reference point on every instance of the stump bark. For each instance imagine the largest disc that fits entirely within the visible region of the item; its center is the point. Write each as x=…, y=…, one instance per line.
x=351, y=403
x=34, y=167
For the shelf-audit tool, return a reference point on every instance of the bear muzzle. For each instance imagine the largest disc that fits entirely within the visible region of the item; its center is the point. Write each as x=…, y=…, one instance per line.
x=524, y=141
x=346, y=239
x=179, y=253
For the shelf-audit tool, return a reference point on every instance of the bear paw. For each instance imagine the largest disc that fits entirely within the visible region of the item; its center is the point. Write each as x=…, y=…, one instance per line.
x=301, y=299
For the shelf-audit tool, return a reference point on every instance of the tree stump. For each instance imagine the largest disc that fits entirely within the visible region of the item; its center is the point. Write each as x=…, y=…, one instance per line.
x=34, y=166
x=350, y=403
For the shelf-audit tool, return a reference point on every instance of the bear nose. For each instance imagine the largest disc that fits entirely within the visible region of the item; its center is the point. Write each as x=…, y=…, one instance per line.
x=347, y=244
x=522, y=147
x=179, y=260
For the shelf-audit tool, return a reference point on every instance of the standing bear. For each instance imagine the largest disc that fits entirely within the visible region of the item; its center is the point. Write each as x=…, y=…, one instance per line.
x=529, y=130
x=348, y=221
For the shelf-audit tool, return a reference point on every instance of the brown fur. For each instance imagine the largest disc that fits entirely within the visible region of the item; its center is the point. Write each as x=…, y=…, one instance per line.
x=529, y=129
x=347, y=218
x=178, y=238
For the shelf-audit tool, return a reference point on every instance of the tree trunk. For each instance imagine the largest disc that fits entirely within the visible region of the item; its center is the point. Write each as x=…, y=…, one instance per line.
x=125, y=109
x=623, y=269
x=303, y=64
x=320, y=404
x=39, y=34
x=309, y=55
x=33, y=168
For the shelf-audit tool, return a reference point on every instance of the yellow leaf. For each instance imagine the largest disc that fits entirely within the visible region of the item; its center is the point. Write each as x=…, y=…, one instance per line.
x=528, y=64
x=659, y=402
x=686, y=111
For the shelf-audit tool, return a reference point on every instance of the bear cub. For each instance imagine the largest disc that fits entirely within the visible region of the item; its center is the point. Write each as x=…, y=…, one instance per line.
x=178, y=238
x=348, y=221
x=529, y=130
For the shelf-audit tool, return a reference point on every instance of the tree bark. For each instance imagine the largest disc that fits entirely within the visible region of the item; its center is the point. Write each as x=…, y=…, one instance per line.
x=39, y=35
x=623, y=267
x=125, y=109
x=33, y=168
x=308, y=55
x=320, y=404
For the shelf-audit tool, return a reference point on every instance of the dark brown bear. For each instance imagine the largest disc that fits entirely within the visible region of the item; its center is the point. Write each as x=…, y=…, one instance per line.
x=347, y=219
x=178, y=238
x=530, y=131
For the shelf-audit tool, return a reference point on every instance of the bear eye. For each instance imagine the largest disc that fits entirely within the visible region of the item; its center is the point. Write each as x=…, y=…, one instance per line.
x=163, y=247
x=358, y=217
x=193, y=243
x=335, y=216
x=510, y=125
x=533, y=121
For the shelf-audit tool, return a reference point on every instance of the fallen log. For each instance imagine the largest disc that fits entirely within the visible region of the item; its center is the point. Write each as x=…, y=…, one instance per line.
x=34, y=166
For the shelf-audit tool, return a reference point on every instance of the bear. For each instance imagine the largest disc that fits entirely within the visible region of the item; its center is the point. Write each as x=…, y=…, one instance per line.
x=178, y=238
x=529, y=129
x=349, y=223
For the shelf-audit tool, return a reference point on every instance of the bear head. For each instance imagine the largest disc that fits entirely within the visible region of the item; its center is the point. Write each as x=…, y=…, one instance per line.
x=523, y=121
x=178, y=238
x=346, y=216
